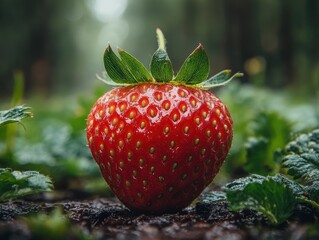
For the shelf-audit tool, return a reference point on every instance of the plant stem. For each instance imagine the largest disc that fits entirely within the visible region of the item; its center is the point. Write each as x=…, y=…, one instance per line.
x=18, y=88
x=310, y=202
x=160, y=39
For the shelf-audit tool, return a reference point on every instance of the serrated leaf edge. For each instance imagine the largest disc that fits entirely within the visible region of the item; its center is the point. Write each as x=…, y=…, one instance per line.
x=15, y=192
x=23, y=113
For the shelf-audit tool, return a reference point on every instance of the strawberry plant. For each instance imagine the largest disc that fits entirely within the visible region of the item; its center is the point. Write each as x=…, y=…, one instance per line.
x=15, y=114
x=302, y=162
x=54, y=225
x=269, y=122
x=276, y=196
x=15, y=184
x=159, y=139
x=270, y=133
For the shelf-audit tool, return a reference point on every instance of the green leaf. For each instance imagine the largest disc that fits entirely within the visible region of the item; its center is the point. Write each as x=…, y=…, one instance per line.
x=296, y=188
x=257, y=161
x=270, y=196
x=302, y=161
x=207, y=201
x=15, y=184
x=271, y=133
x=220, y=79
x=115, y=68
x=272, y=125
x=161, y=66
x=15, y=114
x=52, y=225
x=108, y=81
x=212, y=197
x=240, y=183
x=59, y=148
x=195, y=69
x=137, y=69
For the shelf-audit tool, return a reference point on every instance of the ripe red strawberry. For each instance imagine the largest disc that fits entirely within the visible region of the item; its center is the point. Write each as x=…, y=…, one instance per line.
x=160, y=140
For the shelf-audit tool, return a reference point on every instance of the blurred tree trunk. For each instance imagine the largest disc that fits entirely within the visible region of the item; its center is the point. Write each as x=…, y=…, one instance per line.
x=286, y=49
x=24, y=44
x=240, y=35
x=34, y=36
x=38, y=68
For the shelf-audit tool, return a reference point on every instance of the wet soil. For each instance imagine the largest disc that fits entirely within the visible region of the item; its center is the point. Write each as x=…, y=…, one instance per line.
x=106, y=218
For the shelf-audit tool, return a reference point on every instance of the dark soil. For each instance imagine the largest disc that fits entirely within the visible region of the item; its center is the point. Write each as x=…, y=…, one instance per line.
x=107, y=219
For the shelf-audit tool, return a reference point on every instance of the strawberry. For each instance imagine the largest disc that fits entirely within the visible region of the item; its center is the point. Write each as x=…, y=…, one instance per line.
x=159, y=139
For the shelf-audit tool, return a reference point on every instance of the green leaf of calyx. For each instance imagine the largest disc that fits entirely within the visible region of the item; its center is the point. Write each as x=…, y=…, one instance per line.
x=195, y=69
x=302, y=161
x=108, y=81
x=15, y=184
x=220, y=79
x=15, y=114
x=271, y=196
x=137, y=69
x=116, y=69
x=161, y=66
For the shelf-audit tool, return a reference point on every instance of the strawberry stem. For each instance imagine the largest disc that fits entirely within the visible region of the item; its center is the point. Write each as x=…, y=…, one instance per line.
x=160, y=39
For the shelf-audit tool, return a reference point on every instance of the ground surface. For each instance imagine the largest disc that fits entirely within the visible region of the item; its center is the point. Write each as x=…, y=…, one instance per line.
x=107, y=219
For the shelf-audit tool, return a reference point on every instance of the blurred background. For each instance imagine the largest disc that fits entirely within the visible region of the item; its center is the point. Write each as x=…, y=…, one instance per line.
x=50, y=52
x=58, y=45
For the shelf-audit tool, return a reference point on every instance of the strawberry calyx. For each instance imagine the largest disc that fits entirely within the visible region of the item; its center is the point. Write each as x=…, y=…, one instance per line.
x=125, y=69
